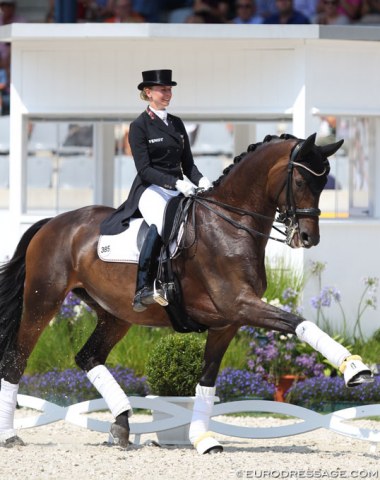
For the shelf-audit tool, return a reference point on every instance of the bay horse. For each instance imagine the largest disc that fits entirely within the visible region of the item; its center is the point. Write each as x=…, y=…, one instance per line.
x=220, y=269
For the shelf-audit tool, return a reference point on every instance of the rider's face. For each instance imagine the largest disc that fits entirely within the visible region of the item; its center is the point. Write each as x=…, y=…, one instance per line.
x=159, y=96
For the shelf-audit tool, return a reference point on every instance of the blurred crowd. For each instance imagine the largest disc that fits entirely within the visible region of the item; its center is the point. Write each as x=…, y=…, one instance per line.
x=326, y=12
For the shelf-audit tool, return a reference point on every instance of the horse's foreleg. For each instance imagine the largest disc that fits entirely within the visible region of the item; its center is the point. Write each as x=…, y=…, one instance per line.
x=270, y=317
x=355, y=372
x=216, y=346
x=91, y=359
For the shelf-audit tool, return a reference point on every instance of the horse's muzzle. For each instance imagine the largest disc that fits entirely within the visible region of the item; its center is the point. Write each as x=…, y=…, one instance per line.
x=303, y=239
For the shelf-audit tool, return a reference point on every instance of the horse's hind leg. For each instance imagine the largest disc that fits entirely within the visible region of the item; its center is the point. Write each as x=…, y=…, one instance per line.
x=35, y=316
x=91, y=359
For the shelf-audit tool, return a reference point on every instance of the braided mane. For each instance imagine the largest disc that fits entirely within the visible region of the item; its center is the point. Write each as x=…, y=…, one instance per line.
x=251, y=148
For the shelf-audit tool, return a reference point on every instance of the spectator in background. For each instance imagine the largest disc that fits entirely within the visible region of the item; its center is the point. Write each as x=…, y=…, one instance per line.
x=206, y=11
x=286, y=14
x=8, y=15
x=370, y=13
x=246, y=13
x=266, y=8
x=307, y=7
x=214, y=11
x=151, y=10
x=351, y=8
x=124, y=13
x=330, y=14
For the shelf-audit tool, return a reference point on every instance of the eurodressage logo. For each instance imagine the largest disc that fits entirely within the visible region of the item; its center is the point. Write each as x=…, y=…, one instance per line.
x=305, y=474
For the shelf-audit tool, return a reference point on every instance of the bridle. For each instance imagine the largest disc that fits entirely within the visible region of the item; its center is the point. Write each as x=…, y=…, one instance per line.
x=288, y=217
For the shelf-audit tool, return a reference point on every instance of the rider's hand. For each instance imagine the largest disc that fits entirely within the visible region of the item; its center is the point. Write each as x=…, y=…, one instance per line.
x=185, y=187
x=204, y=183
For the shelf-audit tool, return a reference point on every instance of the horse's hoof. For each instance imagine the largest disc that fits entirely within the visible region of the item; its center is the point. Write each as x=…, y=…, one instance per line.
x=207, y=444
x=12, y=442
x=359, y=379
x=216, y=449
x=120, y=435
x=356, y=373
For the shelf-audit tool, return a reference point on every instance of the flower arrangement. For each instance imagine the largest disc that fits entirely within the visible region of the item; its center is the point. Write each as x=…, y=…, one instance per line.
x=71, y=385
x=274, y=355
x=232, y=384
x=314, y=393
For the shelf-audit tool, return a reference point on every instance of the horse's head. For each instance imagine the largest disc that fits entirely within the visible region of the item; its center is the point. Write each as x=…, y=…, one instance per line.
x=307, y=171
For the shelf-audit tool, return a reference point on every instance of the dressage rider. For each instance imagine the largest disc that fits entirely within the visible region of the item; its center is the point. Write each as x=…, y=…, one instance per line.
x=165, y=168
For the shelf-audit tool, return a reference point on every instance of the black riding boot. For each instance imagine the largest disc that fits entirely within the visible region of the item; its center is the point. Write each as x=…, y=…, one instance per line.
x=147, y=270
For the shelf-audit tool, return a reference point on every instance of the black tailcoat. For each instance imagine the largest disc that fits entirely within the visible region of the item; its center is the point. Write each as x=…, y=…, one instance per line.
x=162, y=155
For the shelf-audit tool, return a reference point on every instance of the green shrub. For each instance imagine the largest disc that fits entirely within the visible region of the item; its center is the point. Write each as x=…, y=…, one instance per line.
x=174, y=365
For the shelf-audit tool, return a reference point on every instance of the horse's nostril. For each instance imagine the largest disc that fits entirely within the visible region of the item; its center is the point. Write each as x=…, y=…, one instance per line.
x=309, y=240
x=305, y=238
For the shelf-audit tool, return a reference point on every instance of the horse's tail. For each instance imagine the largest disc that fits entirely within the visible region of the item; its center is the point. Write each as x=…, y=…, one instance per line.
x=12, y=278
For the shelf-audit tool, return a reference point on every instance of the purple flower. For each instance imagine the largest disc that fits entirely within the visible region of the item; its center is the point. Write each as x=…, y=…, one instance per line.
x=232, y=384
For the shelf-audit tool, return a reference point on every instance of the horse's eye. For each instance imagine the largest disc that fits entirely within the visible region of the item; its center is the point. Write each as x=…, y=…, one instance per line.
x=299, y=183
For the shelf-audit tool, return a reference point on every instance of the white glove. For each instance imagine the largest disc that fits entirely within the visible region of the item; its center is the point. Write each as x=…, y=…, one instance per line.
x=185, y=187
x=204, y=183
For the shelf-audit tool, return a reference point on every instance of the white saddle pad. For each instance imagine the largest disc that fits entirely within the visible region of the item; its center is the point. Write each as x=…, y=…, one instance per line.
x=123, y=246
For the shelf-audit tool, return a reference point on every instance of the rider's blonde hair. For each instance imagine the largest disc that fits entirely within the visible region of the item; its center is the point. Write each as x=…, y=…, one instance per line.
x=144, y=96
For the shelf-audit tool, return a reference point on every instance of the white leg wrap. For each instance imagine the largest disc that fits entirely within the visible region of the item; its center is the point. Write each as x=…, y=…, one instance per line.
x=334, y=352
x=8, y=400
x=203, y=405
x=110, y=390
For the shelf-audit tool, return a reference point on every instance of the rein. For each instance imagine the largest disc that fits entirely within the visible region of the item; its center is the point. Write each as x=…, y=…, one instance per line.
x=288, y=218
x=203, y=201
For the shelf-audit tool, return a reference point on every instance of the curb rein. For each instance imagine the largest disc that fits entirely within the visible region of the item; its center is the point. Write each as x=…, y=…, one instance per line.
x=288, y=218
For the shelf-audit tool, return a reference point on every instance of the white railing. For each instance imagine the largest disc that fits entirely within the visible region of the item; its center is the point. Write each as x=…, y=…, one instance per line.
x=179, y=416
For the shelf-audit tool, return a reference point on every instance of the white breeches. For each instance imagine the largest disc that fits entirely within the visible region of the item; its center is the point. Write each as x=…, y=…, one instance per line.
x=152, y=205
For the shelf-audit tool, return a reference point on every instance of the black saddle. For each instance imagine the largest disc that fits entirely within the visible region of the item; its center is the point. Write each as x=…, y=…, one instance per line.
x=175, y=214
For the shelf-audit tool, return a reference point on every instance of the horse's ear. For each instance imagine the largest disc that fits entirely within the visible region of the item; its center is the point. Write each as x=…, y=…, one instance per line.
x=307, y=145
x=328, y=150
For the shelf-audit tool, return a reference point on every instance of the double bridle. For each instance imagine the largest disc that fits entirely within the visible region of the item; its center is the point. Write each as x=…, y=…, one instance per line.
x=288, y=217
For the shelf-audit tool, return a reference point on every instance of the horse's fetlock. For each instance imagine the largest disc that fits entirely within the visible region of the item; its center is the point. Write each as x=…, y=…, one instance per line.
x=85, y=363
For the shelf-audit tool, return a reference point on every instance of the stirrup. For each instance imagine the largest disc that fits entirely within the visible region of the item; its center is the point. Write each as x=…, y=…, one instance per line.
x=159, y=294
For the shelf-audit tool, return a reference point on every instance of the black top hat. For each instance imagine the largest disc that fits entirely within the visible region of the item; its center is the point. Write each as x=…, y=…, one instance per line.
x=156, y=77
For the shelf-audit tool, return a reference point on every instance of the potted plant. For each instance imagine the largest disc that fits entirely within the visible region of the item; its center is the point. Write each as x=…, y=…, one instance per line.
x=173, y=370
x=282, y=360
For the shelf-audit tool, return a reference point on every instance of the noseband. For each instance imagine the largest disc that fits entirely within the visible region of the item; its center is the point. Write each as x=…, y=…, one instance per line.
x=289, y=217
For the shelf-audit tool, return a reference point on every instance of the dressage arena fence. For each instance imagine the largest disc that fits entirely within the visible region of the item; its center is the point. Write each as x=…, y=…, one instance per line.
x=177, y=416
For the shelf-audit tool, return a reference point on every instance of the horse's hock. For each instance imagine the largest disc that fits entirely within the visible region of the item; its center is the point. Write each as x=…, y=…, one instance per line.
x=176, y=416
